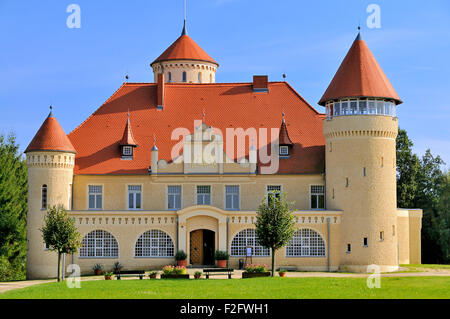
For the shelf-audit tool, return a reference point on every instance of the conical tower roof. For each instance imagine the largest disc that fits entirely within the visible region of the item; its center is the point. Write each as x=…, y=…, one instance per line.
x=359, y=75
x=284, y=138
x=127, y=138
x=184, y=48
x=50, y=137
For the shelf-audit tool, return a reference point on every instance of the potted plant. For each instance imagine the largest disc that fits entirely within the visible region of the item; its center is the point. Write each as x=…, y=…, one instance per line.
x=108, y=275
x=181, y=258
x=153, y=274
x=282, y=273
x=255, y=270
x=221, y=257
x=197, y=274
x=98, y=269
x=117, y=267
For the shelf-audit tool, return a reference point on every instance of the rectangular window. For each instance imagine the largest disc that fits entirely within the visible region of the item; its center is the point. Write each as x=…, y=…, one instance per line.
x=344, y=108
x=127, y=151
x=317, y=197
x=363, y=107
x=273, y=191
x=365, y=244
x=232, y=197
x=134, y=197
x=70, y=197
x=380, y=107
x=203, y=195
x=174, y=197
x=284, y=150
x=372, y=107
x=353, y=107
x=44, y=197
x=349, y=248
x=381, y=235
x=95, y=196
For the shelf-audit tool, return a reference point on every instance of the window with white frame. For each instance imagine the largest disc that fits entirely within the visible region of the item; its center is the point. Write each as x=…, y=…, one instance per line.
x=247, y=238
x=134, y=197
x=232, y=197
x=203, y=195
x=127, y=151
x=95, y=196
x=154, y=243
x=317, y=197
x=306, y=243
x=99, y=244
x=284, y=150
x=273, y=191
x=44, y=197
x=174, y=197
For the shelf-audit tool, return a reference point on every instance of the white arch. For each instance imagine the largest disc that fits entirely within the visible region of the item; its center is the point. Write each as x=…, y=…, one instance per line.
x=108, y=248
x=306, y=242
x=154, y=243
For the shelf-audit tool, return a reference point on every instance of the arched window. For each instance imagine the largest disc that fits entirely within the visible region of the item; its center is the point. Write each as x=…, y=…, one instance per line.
x=99, y=244
x=44, y=197
x=154, y=243
x=199, y=77
x=184, y=76
x=170, y=76
x=306, y=243
x=247, y=238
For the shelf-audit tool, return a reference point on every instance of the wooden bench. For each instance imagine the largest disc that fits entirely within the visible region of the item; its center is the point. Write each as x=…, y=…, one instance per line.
x=131, y=273
x=218, y=271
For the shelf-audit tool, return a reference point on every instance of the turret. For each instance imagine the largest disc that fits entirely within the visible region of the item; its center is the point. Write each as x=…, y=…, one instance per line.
x=360, y=131
x=154, y=158
x=185, y=62
x=50, y=160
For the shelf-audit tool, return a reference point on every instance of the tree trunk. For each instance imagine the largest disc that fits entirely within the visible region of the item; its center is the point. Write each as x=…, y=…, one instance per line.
x=59, y=266
x=273, y=262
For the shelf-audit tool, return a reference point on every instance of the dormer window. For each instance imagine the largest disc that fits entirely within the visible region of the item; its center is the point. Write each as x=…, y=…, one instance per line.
x=127, y=151
x=284, y=150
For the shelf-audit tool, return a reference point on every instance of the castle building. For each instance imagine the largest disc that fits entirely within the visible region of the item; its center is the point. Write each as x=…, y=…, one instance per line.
x=183, y=164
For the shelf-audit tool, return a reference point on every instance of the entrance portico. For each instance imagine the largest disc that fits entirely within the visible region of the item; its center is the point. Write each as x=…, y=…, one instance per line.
x=202, y=229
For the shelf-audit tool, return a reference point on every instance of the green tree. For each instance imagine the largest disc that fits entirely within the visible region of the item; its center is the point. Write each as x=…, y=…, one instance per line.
x=13, y=210
x=60, y=234
x=274, y=223
x=408, y=168
x=442, y=220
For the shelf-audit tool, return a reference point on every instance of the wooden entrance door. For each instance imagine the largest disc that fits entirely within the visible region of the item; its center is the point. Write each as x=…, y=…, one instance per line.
x=197, y=247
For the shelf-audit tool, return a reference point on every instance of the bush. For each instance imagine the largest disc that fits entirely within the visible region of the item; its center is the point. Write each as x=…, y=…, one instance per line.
x=97, y=267
x=221, y=255
x=180, y=270
x=256, y=268
x=117, y=266
x=180, y=255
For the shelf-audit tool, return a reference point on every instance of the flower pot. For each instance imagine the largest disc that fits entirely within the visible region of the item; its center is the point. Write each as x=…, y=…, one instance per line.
x=182, y=263
x=222, y=263
x=152, y=276
x=174, y=276
x=107, y=277
x=282, y=274
x=98, y=272
x=197, y=276
x=255, y=274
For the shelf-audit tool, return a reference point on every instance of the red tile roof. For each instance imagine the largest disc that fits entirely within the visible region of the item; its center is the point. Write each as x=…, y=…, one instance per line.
x=359, y=75
x=226, y=105
x=127, y=138
x=50, y=137
x=184, y=48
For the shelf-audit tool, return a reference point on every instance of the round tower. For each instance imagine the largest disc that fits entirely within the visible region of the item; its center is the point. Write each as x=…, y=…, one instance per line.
x=185, y=62
x=360, y=131
x=50, y=159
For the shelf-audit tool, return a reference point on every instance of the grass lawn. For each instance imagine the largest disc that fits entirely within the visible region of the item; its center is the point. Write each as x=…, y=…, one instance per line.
x=270, y=288
x=426, y=266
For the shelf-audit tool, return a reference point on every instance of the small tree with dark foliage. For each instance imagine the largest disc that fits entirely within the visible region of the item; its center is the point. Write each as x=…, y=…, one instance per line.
x=274, y=223
x=60, y=234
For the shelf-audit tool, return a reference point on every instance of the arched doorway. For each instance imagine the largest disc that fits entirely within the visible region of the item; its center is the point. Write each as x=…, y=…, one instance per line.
x=202, y=247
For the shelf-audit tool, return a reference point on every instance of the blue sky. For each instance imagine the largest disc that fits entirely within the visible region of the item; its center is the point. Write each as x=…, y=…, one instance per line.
x=43, y=62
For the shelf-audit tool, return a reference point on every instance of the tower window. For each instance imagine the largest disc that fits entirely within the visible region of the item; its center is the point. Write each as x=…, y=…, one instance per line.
x=170, y=77
x=364, y=171
x=331, y=147
x=44, y=197
x=346, y=182
x=210, y=78
x=393, y=230
x=333, y=193
x=349, y=248
x=381, y=235
x=199, y=77
x=365, y=242
x=184, y=77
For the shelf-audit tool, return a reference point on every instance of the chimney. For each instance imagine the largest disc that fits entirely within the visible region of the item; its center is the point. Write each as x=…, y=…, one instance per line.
x=160, y=90
x=260, y=83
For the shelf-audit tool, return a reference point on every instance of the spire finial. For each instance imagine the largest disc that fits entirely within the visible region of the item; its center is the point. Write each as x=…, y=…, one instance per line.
x=184, y=32
x=51, y=111
x=154, y=143
x=284, y=121
x=358, y=37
